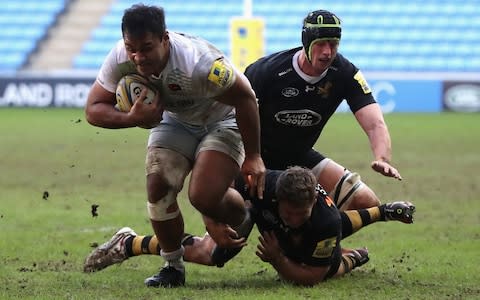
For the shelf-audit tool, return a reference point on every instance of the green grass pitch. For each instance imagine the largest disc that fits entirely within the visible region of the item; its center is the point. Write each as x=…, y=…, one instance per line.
x=54, y=167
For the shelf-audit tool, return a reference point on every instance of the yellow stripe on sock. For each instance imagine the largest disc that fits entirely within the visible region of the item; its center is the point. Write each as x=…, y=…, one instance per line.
x=355, y=218
x=137, y=245
x=374, y=213
x=152, y=246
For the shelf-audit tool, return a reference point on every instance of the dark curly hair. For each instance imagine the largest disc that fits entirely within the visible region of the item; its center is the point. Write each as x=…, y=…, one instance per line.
x=141, y=19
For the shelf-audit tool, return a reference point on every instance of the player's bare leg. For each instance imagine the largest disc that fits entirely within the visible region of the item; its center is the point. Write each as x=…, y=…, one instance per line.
x=210, y=191
x=344, y=187
x=125, y=243
x=166, y=172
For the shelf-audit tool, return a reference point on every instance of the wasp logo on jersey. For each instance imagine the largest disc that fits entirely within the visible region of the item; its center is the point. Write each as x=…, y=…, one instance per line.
x=362, y=82
x=300, y=118
x=324, y=90
x=220, y=73
x=325, y=248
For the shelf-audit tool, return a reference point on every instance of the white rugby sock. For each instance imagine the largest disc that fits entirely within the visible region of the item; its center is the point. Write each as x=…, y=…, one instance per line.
x=174, y=258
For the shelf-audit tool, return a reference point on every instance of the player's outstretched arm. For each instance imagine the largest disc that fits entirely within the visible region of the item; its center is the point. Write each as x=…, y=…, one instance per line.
x=371, y=120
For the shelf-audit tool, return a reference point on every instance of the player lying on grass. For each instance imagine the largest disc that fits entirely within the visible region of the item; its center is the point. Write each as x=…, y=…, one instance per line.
x=300, y=230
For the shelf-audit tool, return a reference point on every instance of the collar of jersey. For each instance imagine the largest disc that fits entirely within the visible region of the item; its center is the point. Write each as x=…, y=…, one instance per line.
x=307, y=78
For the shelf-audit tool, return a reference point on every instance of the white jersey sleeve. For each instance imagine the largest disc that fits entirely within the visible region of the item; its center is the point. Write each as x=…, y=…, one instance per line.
x=114, y=67
x=195, y=74
x=213, y=75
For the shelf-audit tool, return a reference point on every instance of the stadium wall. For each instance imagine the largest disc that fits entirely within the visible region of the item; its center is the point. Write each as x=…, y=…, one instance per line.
x=395, y=92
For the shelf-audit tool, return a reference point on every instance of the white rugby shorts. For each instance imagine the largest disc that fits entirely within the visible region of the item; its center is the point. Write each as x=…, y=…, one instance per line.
x=189, y=140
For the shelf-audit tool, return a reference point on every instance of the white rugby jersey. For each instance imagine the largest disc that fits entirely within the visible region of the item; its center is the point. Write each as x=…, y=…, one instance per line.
x=196, y=72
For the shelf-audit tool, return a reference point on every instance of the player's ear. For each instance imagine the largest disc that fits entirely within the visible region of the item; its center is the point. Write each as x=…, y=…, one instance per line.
x=165, y=37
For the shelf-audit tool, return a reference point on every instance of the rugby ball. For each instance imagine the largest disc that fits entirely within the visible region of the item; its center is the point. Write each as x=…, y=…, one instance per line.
x=129, y=88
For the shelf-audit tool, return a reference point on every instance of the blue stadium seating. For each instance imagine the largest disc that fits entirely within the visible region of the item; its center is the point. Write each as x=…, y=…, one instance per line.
x=207, y=19
x=418, y=35
x=23, y=24
x=378, y=35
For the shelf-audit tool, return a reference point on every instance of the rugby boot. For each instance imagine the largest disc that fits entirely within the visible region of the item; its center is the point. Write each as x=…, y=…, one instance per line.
x=399, y=211
x=109, y=253
x=168, y=277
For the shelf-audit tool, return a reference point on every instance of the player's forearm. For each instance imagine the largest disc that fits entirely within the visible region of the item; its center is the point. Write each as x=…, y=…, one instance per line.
x=104, y=115
x=371, y=120
x=380, y=142
x=297, y=273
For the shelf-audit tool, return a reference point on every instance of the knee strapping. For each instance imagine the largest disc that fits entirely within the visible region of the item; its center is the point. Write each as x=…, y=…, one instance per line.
x=164, y=209
x=173, y=168
x=346, y=187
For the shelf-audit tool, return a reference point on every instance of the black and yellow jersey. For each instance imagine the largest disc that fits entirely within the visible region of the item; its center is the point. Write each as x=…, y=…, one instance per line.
x=295, y=107
x=316, y=242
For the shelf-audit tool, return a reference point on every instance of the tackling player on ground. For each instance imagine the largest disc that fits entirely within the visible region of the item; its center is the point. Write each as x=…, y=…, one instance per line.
x=300, y=225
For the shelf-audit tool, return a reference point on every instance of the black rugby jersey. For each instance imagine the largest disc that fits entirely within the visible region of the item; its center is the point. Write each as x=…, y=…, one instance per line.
x=315, y=243
x=294, y=112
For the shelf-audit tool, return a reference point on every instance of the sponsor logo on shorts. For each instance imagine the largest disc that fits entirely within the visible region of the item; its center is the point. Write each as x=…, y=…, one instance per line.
x=299, y=118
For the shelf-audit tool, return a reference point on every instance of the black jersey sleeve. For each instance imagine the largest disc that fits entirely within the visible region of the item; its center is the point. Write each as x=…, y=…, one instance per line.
x=254, y=74
x=357, y=90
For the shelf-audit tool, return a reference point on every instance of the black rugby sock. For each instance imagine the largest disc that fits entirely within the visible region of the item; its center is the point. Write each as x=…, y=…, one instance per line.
x=354, y=220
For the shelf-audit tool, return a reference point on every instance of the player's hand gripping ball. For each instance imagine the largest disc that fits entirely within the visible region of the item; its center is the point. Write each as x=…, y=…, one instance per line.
x=128, y=90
